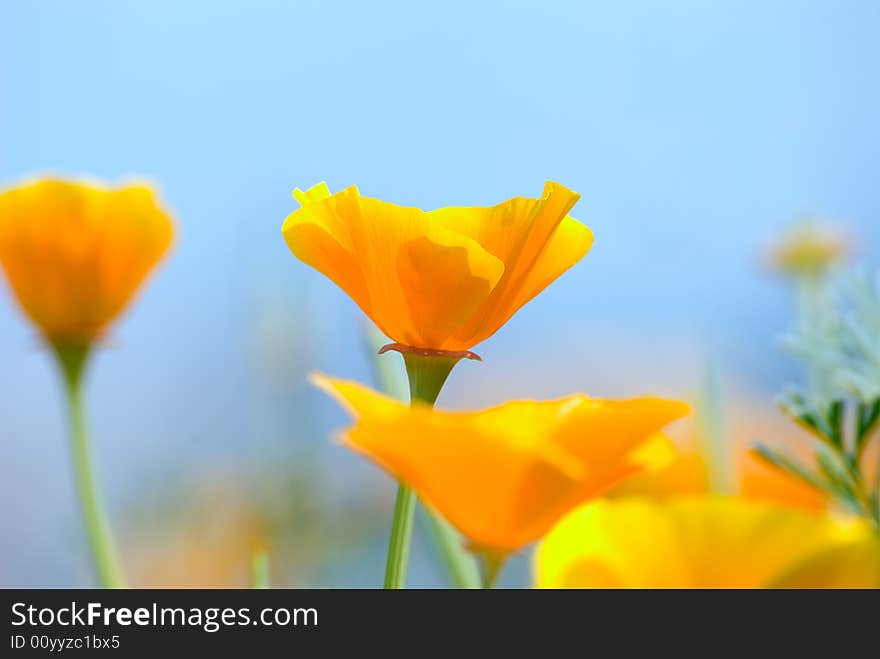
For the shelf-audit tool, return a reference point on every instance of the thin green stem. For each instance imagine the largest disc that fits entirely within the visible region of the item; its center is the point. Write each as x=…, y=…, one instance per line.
x=72, y=358
x=401, y=536
x=426, y=374
x=459, y=563
x=492, y=564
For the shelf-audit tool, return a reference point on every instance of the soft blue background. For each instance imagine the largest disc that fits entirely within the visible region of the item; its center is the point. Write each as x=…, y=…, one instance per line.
x=695, y=131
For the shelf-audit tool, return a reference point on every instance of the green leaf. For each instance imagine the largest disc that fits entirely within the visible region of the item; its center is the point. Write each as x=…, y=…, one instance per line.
x=835, y=423
x=791, y=467
x=869, y=415
x=836, y=475
x=801, y=412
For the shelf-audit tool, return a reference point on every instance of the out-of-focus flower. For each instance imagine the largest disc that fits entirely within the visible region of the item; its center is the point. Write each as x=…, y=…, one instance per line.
x=691, y=542
x=852, y=565
x=203, y=527
x=809, y=248
x=504, y=475
x=75, y=253
x=205, y=540
x=751, y=477
x=439, y=280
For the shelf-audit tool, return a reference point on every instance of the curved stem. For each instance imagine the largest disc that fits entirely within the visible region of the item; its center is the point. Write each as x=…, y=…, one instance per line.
x=72, y=359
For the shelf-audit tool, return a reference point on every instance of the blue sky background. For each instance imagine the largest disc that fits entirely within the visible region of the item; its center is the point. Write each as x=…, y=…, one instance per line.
x=695, y=132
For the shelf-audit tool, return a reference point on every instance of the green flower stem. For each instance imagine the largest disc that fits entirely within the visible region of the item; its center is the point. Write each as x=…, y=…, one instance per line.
x=427, y=373
x=492, y=564
x=460, y=564
x=401, y=536
x=72, y=358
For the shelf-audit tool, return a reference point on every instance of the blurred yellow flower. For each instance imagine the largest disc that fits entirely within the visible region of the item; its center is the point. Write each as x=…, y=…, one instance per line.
x=75, y=253
x=690, y=542
x=809, y=248
x=506, y=474
x=852, y=565
x=439, y=280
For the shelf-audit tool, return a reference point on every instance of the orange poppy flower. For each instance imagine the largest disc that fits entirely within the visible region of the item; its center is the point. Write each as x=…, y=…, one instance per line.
x=439, y=280
x=504, y=475
x=76, y=253
x=748, y=475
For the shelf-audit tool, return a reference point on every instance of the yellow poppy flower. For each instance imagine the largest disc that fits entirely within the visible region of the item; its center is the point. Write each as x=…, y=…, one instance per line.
x=692, y=542
x=504, y=475
x=852, y=565
x=75, y=253
x=439, y=280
